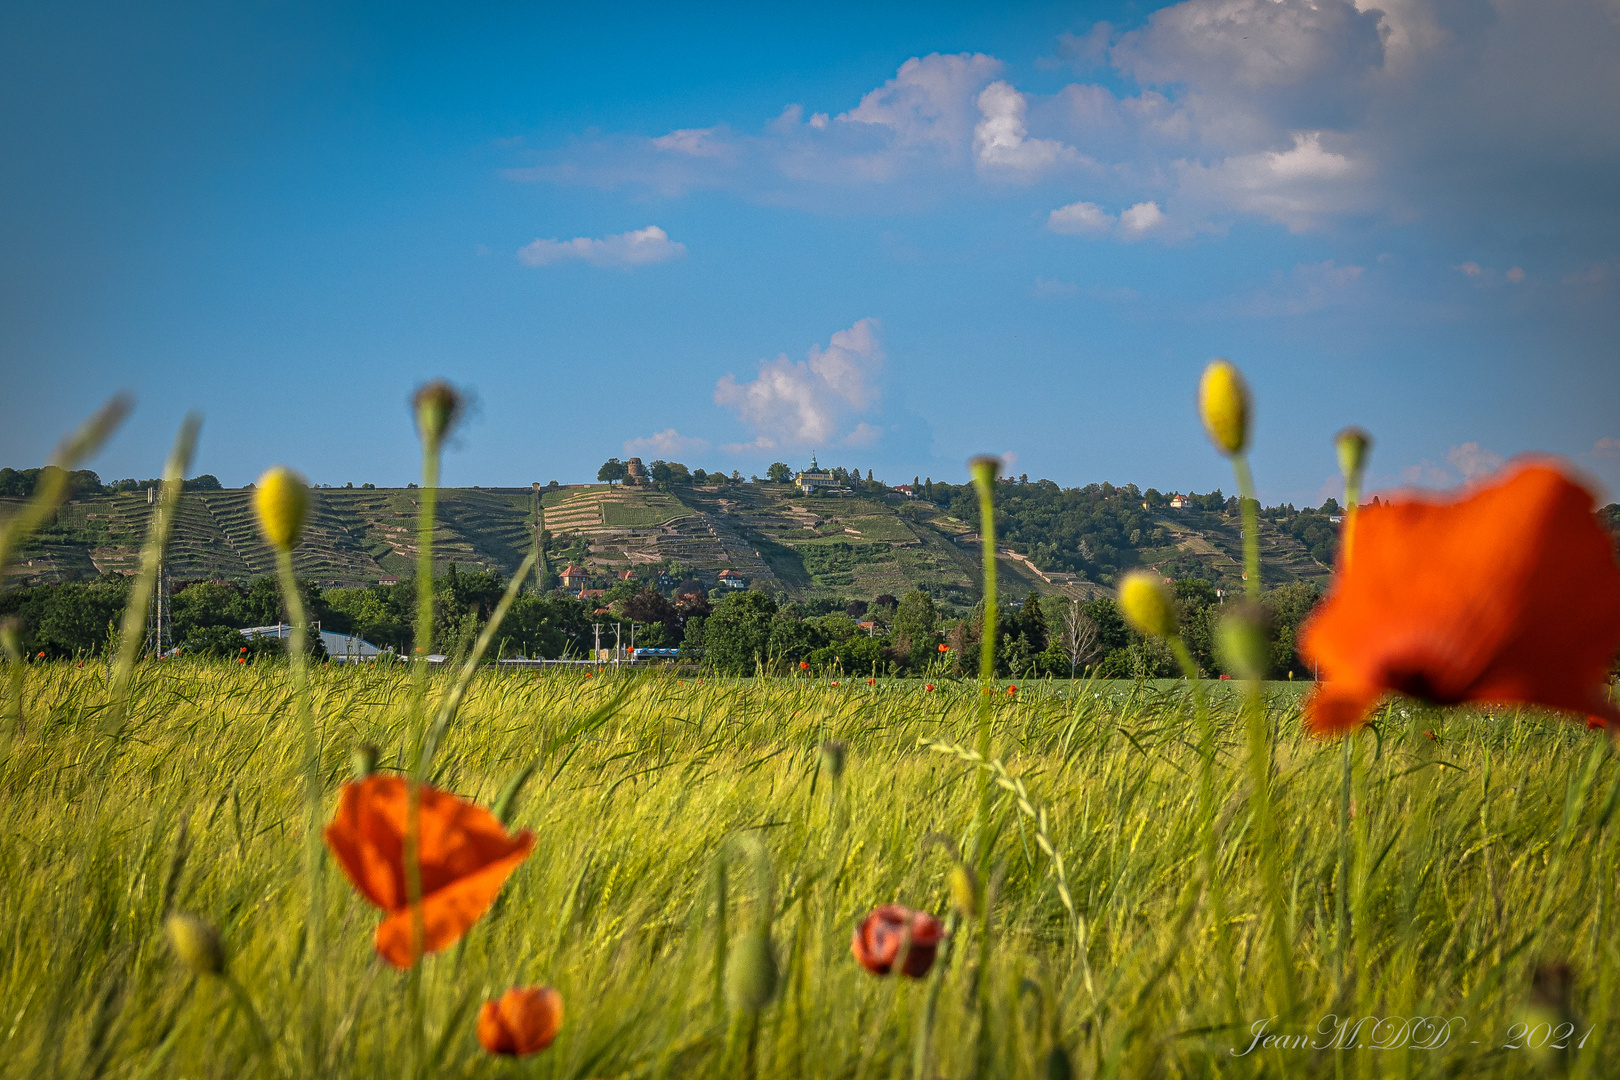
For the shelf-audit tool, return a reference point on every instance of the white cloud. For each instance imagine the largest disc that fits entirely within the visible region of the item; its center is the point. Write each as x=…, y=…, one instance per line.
x=1141, y=219
x=929, y=101
x=1472, y=269
x=1080, y=219
x=668, y=443
x=1001, y=139
x=1297, y=187
x=1310, y=287
x=1473, y=460
x=639, y=248
x=1515, y=275
x=1607, y=447
x=805, y=403
x=713, y=142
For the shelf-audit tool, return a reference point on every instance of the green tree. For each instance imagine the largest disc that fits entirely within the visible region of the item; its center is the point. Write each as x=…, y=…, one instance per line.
x=738, y=632
x=612, y=470
x=779, y=473
x=915, y=621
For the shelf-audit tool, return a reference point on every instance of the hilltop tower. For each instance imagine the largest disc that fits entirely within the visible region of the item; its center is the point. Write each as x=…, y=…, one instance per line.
x=635, y=474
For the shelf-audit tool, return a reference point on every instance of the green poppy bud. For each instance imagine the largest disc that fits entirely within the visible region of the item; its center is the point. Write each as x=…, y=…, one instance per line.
x=1243, y=641
x=751, y=972
x=438, y=407
x=196, y=943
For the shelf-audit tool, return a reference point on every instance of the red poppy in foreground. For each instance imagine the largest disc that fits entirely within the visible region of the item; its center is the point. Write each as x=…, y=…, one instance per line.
x=944, y=648
x=881, y=938
x=466, y=856
x=526, y=1019
x=1508, y=594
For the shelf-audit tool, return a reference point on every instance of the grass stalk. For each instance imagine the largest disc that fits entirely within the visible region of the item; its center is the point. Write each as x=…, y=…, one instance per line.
x=132, y=633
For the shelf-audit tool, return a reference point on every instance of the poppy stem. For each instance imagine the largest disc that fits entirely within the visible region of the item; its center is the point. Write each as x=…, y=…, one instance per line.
x=315, y=1005
x=1213, y=887
x=419, y=679
x=1248, y=506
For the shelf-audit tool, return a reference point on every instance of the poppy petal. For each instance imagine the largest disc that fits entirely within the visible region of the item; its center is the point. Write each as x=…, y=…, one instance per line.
x=450, y=911
x=1507, y=594
x=526, y=1019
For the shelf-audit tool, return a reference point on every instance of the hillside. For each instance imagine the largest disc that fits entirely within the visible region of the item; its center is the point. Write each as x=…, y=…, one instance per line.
x=856, y=546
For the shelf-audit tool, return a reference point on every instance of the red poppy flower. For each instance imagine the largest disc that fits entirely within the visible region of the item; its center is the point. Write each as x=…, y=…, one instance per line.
x=41, y=654
x=465, y=856
x=944, y=648
x=1012, y=690
x=1508, y=593
x=241, y=659
x=526, y=1019
x=803, y=666
x=871, y=682
x=881, y=937
x=928, y=686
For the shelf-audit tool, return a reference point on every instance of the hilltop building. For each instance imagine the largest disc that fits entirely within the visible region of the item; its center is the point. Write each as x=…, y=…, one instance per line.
x=635, y=474
x=814, y=479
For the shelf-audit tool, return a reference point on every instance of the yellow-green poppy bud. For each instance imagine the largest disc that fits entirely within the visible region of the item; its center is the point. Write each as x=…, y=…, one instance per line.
x=438, y=407
x=196, y=943
x=282, y=502
x=1147, y=604
x=832, y=758
x=1352, y=444
x=1223, y=402
x=363, y=759
x=1243, y=640
x=964, y=892
x=751, y=971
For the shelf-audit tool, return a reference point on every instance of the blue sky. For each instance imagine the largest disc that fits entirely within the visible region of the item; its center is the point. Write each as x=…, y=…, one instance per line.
x=895, y=238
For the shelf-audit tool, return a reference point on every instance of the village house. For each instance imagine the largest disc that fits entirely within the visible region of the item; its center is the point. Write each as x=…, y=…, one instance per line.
x=573, y=576
x=732, y=579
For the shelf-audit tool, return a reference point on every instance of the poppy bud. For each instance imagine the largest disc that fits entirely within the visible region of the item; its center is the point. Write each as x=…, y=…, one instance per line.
x=1223, y=403
x=985, y=469
x=363, y=759
x=1352, y=444
x=1243, y=641
x=438, y=407
x=525, y=1020
x=832, y=757
x=196, y=942
x=751, y=971
x=281, y=501
x=1146, y=604
x=964, y=891
x=883, y=935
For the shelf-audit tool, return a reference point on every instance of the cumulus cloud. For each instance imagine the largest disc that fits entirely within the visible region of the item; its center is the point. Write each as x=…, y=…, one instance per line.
x=929, y=101
x=1297, y=187
x=1607, y=448
x=1080, y=219
x=1136, y=222
x=1001, y=139
x=806, y=403
x=668, y=443
x=639, y=248
x=1473, y=460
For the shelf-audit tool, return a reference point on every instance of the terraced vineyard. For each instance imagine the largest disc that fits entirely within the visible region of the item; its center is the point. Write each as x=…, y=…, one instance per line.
x=863, y=545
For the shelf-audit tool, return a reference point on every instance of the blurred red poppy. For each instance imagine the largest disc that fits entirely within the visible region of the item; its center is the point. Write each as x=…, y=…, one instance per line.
x=526, y=1019
x=882, y=937
x=1508, y=593
x=464, y=852
x=928, y=686
x=1012, y=690
x=944, y=648
x=871, y=682
x=803, y=666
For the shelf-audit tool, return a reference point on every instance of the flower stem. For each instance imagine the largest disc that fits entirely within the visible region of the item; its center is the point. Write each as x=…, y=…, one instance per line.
x=304, y=707
x=1249, y=507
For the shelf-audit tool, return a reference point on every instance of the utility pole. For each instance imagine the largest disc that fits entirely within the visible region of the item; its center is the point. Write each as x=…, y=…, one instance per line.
x=618, y=649
x=596, y=650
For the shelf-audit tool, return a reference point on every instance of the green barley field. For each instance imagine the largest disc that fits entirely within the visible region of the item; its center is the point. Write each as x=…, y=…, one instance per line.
x=1473, y=933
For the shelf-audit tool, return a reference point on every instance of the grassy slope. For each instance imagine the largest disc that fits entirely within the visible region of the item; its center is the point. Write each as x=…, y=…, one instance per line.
x=1460, y=883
